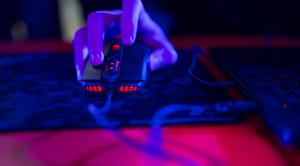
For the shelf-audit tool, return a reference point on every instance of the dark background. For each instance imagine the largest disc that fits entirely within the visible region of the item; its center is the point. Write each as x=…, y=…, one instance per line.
x=219, y=16
x=211, y=17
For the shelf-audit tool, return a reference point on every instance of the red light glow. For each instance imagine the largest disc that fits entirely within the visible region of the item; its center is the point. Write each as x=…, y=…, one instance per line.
x=127, y=88
x=116, y=47
x=121, y=88
x=117, y=65
x=130, y=88
x=99, y=88
x=95, y=89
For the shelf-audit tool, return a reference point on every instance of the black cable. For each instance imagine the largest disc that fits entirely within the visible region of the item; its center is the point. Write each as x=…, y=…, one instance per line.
x=106, y=106
x=153, y=147
x=222, y=107
x=197, y=49
x=99, y=113
x=107, y=101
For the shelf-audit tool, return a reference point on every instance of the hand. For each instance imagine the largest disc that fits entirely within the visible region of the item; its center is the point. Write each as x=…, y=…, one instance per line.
x=134, y=22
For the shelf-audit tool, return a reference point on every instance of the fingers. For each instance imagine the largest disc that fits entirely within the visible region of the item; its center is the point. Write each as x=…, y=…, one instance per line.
x=163, y=53
x=95, y=36
x=97, y=22
x=133, y=17
x=161, y=57
x=152, y=35
x=130, y=19
x=88, y=40
x=80, y=51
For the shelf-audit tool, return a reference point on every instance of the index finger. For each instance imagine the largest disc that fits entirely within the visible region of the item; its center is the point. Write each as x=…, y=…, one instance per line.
x=95, y=36
x=129, y=20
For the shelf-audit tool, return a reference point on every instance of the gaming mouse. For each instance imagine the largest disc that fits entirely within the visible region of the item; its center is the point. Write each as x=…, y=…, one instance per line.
x=124, y=69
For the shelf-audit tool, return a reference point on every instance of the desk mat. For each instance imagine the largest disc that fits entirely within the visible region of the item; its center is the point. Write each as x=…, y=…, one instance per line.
x=40, y=91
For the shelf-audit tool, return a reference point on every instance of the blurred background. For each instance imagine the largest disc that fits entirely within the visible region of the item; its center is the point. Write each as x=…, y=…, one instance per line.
x=59, y=19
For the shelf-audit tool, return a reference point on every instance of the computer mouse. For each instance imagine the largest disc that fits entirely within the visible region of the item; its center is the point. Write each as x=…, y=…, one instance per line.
x=124, y=69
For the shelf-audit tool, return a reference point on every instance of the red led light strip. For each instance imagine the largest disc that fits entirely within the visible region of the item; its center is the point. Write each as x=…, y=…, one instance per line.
x=99, y=88
x=122, y=88
x=128, y=88
x=94, y=88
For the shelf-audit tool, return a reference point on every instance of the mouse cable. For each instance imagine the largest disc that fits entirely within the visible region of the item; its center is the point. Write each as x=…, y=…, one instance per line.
x=99, y=113
x=197, y=49
x=103, y=110
x=222, y=107
x=106, y=106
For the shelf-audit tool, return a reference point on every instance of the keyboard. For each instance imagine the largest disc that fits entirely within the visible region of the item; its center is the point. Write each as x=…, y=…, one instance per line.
x=271, y=78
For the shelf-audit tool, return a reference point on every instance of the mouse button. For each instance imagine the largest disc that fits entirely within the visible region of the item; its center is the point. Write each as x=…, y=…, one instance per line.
x=106, y=49
x=91, y=73
x=134, y=66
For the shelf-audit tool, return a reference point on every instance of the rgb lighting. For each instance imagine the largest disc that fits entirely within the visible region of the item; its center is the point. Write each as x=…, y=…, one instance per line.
x=116, y=47
x=127, y=88
x=93, y=88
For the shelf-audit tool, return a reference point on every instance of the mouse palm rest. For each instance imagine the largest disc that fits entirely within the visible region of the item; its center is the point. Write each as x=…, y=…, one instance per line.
x=124, y=69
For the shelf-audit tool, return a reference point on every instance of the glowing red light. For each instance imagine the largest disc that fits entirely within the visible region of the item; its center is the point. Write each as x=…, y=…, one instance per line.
x=130, y=88
x=91, y=88
x=99, y=88
x=121, y=88
x=116, y=47
x=126, y=89
x=95, y=88
x=117, y=65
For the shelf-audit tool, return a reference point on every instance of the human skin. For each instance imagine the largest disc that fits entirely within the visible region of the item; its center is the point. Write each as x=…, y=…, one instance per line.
x=134, y=23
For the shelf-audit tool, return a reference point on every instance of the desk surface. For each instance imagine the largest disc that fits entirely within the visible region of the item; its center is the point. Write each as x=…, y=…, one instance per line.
x=246, y=143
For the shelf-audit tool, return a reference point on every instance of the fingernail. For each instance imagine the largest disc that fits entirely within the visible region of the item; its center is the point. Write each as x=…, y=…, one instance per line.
x=155, y=62
x=78, y=72
x=128, y=40
x=96, y=58
x=131, y=39
x=174, y=56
